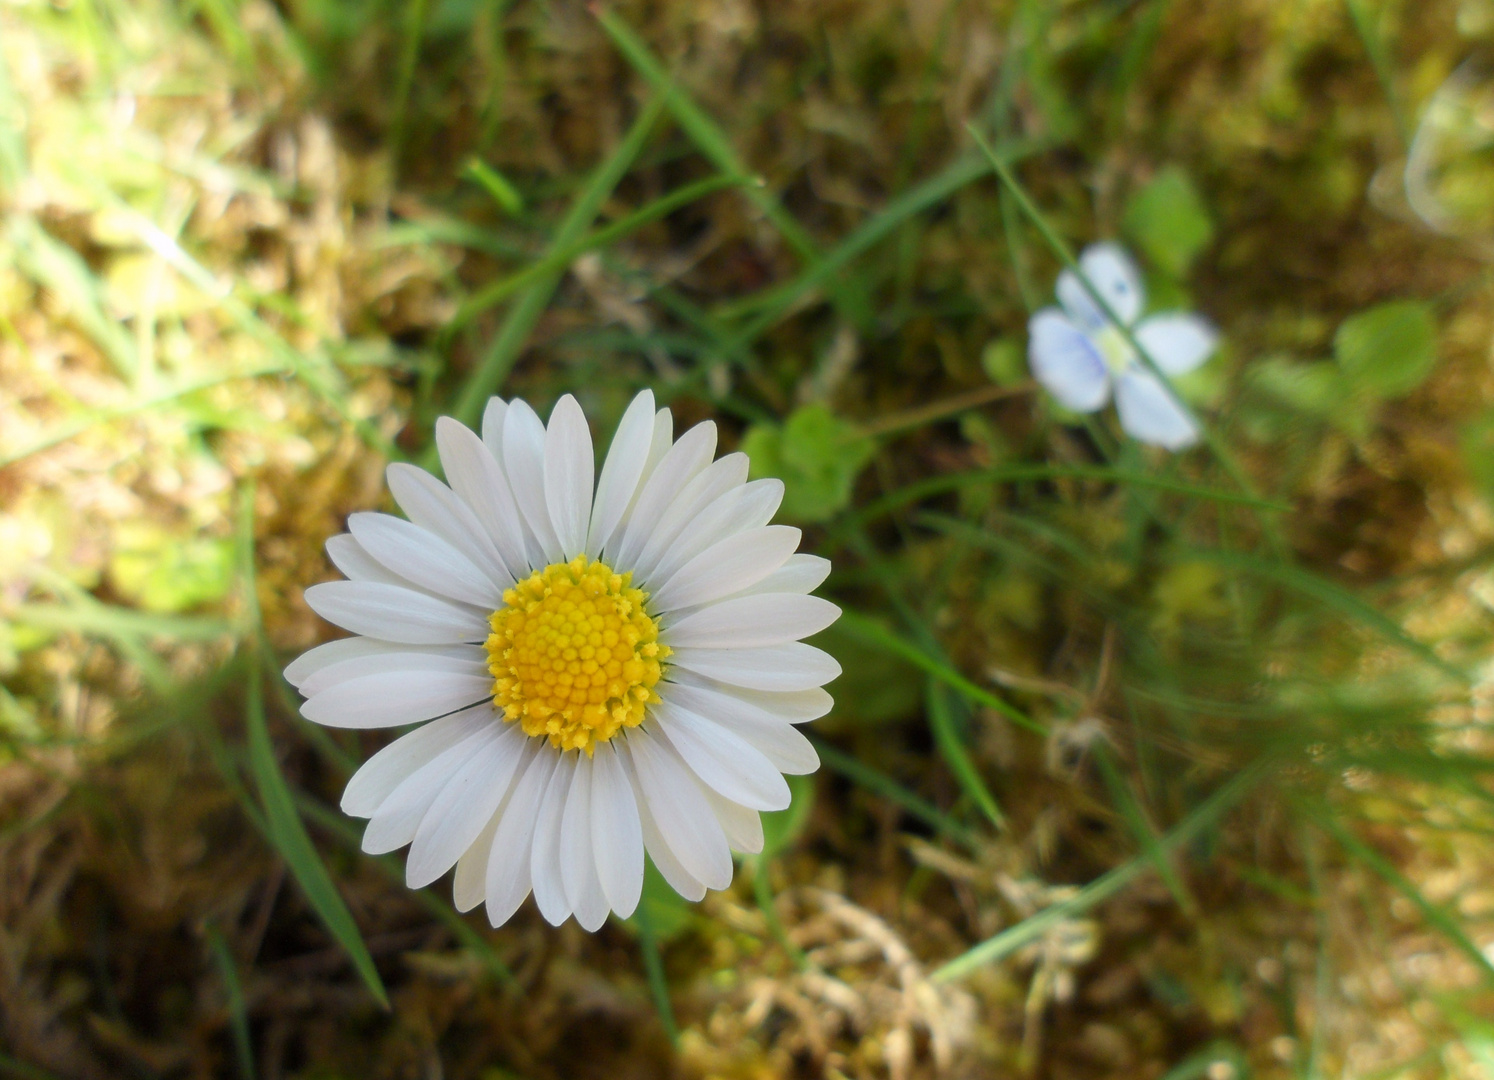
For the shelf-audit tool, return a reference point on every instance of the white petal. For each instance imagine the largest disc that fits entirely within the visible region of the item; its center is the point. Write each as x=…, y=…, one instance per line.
x=788, y=750
x=544, y=859
x=335, y=652
x=684, y=461
x=578, y=864
x=464, y=807
x=468, y=884
x=715, y=480
x=394, y=698
x=508, y=880
x=750, y=506
x=1066, y=362
x=743, y=827
x=391, y=613
x=1150, y=414
x=680, y=810
x=394, y=823
x=1115, y=277
x=794, y=666
x=752, y=621
x=377, y=778
x=794, y=707
x=1178, y=341
x=524, y=464
x=617, y=836
x=570, y=472
x=723, y=761
x=728, y=566
x=801, y=574
x=479, y=481
x=358, y=565
x=435, y=507
x=470, y=659
x=664, y=859
x=423, y=558
x=622, y=471
x=492, y=426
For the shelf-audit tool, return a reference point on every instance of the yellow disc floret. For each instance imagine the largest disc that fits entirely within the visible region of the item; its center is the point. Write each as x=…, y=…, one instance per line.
x=574, y=654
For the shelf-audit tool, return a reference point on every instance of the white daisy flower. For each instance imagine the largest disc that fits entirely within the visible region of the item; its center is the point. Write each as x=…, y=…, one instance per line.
x=607, y=664
x=1079, y=354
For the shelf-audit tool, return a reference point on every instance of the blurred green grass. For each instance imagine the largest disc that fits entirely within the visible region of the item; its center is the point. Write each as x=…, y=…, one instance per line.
x=1169, y=765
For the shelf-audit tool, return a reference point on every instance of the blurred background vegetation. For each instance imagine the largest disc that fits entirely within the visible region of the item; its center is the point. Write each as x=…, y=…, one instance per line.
x=1141, y=765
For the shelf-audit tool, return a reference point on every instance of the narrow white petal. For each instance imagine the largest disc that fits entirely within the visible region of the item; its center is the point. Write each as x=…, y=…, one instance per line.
x=479, y=481
x=743, y=827
x=508, y=880
x=335, y=652
x=1178, y=341
x=728, y=566
x=468, y=884
x=794, y=666
x=468, y=659
x=377, y=778
x=1114, y=276
x=622, y=471
x=394, y=698
x=684, y=461
x=715, y=480
x=1066, y=361
x=782, y=744
x=544, y=858
x=435, y=507
x=715, y=699
x=356, y=564
x=750, y=506
x=578, y=863
x=801, y=574
x=664, y=858
x=424, y=558
x=570, y=472
x=524, y=464
x=680, y=810
x=1149, y=412
x=463, y=808
x=752, y=621
x=492, y=426
x=391, y=613
x=723, y=761
x=617, y=836
x=394, y=823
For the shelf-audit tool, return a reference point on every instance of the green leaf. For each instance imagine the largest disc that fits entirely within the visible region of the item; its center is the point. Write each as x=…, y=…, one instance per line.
x=1004, y=361
x=1389, y=350
x=168, y=574
x=1167, y=219
x=816, y=454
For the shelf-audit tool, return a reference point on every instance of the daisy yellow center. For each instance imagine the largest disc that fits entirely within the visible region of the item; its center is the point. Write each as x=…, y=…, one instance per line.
x=574, y=654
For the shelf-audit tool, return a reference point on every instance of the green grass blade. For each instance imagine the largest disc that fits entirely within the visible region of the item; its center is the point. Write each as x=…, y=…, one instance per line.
x=286, y=832
x=347, y=833
x=559, y=257
x=762, y=891
x=653, y=966
x=1103, y=887
x=531, y=303
x=857, y=771
x=1438, y=917
x=1134, y=815
x=947, y=738
x=238, y=1013
x=404, y=76
x=708, y=137
x=1379, y=57
x=870, y=632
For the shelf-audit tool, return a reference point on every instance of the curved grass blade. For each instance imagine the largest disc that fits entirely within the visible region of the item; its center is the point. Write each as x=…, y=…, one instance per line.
x=879, y=783
x=238, y=1013
x=943, y=723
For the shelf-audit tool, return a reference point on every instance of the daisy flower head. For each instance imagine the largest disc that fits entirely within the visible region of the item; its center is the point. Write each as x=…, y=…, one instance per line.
x=1081, y=356
x=600, y=664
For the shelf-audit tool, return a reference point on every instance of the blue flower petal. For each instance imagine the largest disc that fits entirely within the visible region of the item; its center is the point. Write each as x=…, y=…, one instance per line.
x=1150, y=414
x=1066, y=362
x=1114, y=276
x=1178, y=341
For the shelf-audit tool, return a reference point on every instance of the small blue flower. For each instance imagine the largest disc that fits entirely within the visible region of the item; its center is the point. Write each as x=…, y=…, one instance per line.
x=1078, y=353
